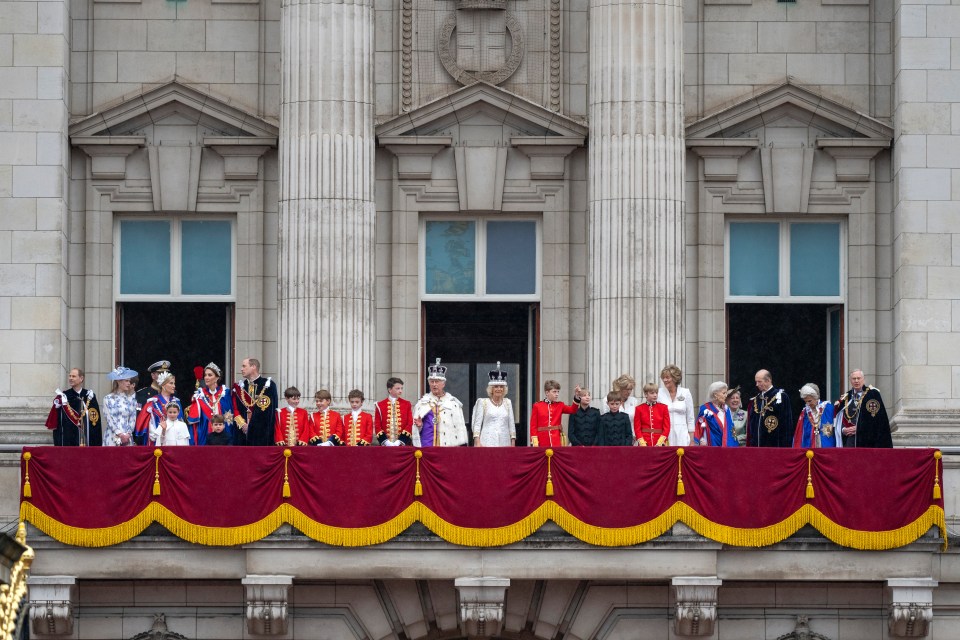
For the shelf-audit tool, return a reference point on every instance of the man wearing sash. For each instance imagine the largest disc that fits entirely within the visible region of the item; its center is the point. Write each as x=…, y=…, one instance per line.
x=254, y=406
x=769, y=416
x=393, y=417
x=438, y=416
x=863, y=418
x=75, y=415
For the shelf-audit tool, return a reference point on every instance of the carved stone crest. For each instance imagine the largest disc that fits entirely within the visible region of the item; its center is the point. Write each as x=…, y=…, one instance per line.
x=480, y=52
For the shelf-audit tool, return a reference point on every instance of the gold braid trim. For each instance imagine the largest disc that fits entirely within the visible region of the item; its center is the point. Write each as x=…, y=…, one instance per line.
x=488, y=537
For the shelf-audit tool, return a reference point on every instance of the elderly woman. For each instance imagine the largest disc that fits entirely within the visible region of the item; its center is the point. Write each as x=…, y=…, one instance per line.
x=815, y=425
x=211, y=399
x=493, y=422
x=154, y=411
x=715, y=424
x=120, y=408
x=679, y=401
x=735, y=402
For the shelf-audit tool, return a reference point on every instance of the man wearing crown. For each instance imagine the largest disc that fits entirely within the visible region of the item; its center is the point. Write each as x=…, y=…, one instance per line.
x=75, y=415
x=438, y=416
x=254, y=406
x=393, y=417
x=863, y=418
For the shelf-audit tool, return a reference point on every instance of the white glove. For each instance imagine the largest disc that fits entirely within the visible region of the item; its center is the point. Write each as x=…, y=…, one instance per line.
x=326, y=444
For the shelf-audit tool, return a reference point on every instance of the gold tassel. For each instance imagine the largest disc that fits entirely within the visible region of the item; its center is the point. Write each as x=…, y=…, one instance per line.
x=286, y=478
x=680, y=489
x=418, y=487
x=549, y=473
x=27, y=492
x=809, y=474
x=156, y=471
x=937, y=494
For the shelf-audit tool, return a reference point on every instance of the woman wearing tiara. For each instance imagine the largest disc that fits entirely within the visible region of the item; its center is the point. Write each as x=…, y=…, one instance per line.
x=493, y=420
x=155, y=411
x=211, y=399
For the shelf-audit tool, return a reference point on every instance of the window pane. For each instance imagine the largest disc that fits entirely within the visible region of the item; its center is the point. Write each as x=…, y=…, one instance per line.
x=145, y=257
x=206, y=247
x=512, y=257
x=815, y=259
x=451, y=256
x=754, y=259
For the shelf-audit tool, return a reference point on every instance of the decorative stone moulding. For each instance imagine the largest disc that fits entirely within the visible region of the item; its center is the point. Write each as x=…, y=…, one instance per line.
x=448, y=56
x=52, y=599
x=696, y=599
x=802, y=631
x=482, y=604
x=911, y=606
x=266, y=599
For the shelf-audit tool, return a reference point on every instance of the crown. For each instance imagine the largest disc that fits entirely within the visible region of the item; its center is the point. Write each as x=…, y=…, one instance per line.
x=437, y=371
x=498, y=376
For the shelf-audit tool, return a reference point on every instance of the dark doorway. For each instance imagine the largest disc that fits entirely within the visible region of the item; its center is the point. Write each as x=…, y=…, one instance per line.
x=188, y=334
x=797, y=343
x=470, y=337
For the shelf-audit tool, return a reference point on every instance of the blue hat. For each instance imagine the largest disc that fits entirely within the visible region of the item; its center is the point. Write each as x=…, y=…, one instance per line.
x=121, y=373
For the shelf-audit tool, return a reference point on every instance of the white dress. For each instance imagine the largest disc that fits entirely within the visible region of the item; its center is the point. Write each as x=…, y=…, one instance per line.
x=681, y=415
x=177, y=435
x=494, y=425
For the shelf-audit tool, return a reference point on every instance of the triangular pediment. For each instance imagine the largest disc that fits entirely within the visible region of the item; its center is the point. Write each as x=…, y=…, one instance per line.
x=173, y=104
x=785, y=106
x=482, y=105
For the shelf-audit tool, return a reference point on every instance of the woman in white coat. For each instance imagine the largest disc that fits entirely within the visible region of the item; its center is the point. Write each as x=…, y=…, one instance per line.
x=493, y=420
x=680, y=403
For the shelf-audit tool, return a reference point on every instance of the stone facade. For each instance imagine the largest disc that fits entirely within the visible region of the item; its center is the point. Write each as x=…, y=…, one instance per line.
x=632, y=133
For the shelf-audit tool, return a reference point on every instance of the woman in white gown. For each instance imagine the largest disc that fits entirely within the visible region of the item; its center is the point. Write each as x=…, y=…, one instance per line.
x=493, y=420
x=680, y=403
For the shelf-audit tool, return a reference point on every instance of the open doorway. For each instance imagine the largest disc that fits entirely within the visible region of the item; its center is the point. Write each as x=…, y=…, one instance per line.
x=797, y=343
x=188, y=334
x=470, y=337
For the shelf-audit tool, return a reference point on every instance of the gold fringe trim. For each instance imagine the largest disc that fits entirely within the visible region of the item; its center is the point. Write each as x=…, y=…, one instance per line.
x=27, y=491
x=487, y=537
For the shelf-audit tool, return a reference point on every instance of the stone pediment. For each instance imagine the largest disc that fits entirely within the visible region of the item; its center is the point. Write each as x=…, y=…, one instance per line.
x=479, y=109
x=173, y=104
x=789, y=106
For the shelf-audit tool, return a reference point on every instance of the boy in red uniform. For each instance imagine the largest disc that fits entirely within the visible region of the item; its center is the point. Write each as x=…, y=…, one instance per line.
x=327, y=424
x=393, y=417
x=357, y=426
x=292, y=426
x=651, y=419
x=545, y=429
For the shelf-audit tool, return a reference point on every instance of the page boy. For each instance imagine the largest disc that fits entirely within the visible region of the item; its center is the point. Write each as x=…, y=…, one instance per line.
x=292, y=427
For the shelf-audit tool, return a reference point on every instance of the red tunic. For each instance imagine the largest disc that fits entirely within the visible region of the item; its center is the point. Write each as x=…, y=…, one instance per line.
x=292, y=427
x=545, y=429
x=357, y=432
x=327, y=426
x=390, y=425
x=651, y=424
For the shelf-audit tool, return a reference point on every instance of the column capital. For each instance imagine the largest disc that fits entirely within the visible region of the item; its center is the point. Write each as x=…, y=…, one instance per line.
x=911, y=606
x=52, y=601
x=266, y=604
x=696, y=598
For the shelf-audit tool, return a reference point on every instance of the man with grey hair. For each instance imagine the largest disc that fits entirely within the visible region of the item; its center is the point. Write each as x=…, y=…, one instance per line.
x=863, y=418
x=769, y=416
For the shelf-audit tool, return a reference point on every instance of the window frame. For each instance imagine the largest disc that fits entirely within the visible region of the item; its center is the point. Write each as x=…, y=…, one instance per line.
x=783, y=259
x=480, y=264
x=176, y=258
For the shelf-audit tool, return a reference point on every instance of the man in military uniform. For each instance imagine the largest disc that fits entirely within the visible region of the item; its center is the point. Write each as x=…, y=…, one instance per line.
x=769, y=416
x=863, y=418
x=153, y=388
x=254, y=406
x=75, y=415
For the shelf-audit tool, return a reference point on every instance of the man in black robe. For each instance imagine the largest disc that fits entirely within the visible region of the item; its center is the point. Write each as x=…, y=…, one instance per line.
x=863, y=418
x=75, y=415
x=769, y=416
x=254, y=406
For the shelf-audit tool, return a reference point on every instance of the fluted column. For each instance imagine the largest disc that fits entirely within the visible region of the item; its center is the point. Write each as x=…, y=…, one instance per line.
x=635, y=210
x=326, y=242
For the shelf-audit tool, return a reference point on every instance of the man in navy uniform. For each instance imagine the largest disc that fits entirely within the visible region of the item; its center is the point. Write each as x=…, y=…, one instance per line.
x=254, y=406
x=863, y=418
x=152, y=389
x=75, y=415
x=769, y=416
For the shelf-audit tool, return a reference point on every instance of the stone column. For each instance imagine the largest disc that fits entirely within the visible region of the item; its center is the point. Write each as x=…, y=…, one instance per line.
x=634, y=219
x=326, y=236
